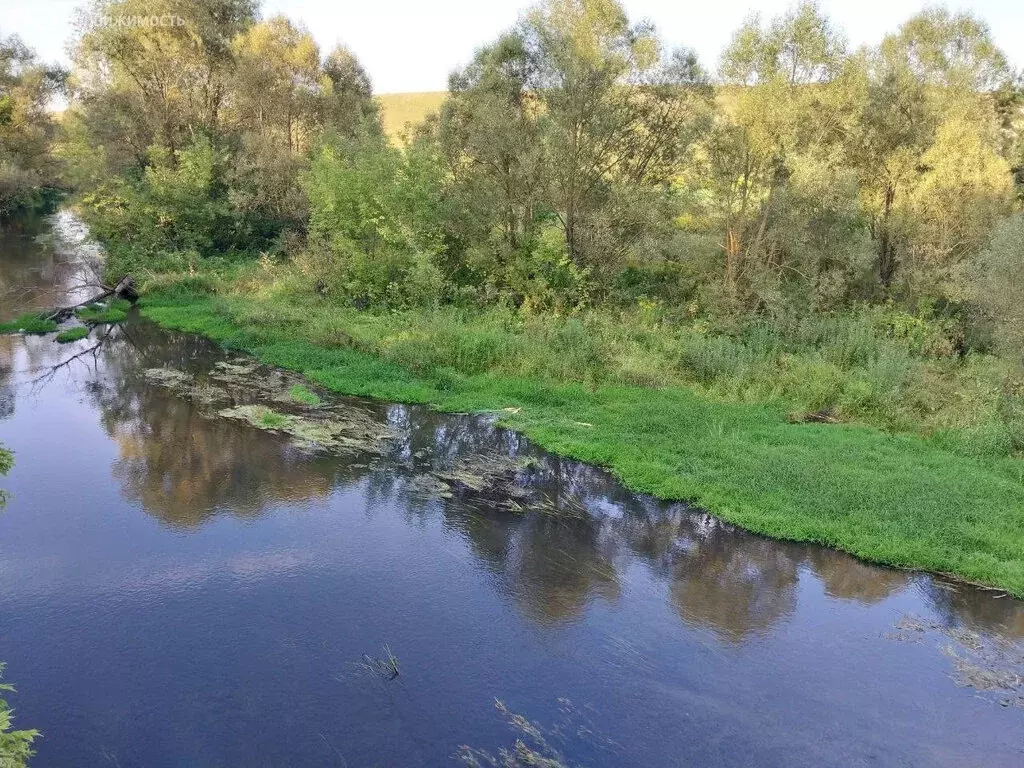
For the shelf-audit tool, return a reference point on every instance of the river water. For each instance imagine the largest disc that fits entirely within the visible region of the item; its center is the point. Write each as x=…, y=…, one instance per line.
x=181, y=586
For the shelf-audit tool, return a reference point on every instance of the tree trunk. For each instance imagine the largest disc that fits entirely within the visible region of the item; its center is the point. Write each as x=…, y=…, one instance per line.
x=123, y=289
x=886, y=246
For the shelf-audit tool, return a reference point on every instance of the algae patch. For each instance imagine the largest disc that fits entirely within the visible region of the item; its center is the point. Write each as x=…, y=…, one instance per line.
x=993, y=665
x=185, y=385
x=276, y=401
x=339, y=431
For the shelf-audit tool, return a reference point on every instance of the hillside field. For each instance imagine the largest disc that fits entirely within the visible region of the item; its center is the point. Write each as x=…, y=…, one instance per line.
x=398, y=109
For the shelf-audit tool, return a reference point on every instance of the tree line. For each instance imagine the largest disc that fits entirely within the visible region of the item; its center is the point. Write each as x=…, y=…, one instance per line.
x=577, y=162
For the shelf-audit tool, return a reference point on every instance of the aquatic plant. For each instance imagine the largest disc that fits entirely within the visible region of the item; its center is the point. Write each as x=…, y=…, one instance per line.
x=386, y=666
x=15, y=746
x=72, y=334
x=536, y=745
x=6, y=462
x=271, y=419
x=97, y=314
x=30, y=322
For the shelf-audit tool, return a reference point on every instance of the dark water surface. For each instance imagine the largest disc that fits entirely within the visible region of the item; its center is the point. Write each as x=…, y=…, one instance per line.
x=179, y=588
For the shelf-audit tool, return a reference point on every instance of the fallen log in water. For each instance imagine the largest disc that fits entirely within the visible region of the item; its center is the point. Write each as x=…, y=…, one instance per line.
x=123, y=289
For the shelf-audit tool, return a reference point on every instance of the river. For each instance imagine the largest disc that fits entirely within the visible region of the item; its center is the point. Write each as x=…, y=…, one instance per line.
x=180, y=585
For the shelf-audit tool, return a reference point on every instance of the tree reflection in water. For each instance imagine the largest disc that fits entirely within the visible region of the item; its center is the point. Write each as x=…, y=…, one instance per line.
x=577, y=529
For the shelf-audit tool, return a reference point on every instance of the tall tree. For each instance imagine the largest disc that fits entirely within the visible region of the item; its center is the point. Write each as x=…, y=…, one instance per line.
x=940, y=67
x=616, y=109
x=773, y=167
x=26, y=129
x=490, y=134
x=578, y=115
x=138, y=84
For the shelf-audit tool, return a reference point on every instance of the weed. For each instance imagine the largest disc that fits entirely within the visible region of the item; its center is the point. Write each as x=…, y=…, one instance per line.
x=272, y=419
x=386, y=666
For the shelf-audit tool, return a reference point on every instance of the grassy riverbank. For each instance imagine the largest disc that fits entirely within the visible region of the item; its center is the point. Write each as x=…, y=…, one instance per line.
x=906, y=500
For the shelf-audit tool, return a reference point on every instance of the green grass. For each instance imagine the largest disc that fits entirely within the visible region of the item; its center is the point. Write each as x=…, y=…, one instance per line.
x=30, y=322
x=304, y=395
x=891, y=498
x=114, y=312
x=72, y=334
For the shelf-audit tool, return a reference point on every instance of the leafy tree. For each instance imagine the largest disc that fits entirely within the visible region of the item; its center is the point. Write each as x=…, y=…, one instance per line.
x=26, y=129
x=615, y=110
x=1000, y=285
x=278, y=80
x=772, y=171
x=203, y=125
x=283, y=98
x=373, y=238
x=137, y=85
x=490, y=134
x=574, y=118
x=939, y=67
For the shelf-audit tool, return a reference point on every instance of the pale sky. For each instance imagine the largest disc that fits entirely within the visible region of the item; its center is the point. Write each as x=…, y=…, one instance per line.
x=412, y=45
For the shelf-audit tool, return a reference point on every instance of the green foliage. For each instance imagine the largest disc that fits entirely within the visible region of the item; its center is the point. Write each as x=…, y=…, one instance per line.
x=30, y=322
x=77, y=333
x=15, y=746
x=270, y=419
x=546, y=277
x=191, y=138
x=1000, y=286
x=174, y=208
x=372, y=237
x=576, y=162
x=26, y=127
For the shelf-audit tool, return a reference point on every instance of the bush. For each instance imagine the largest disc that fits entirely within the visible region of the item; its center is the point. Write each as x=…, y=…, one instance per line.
x=545, y=278
x=373, y=238
x=175, y=211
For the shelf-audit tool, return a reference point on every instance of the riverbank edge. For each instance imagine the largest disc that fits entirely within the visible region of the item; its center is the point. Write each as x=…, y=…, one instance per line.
x=894, y=500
